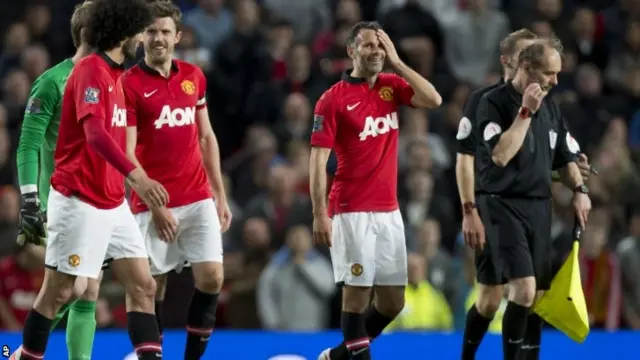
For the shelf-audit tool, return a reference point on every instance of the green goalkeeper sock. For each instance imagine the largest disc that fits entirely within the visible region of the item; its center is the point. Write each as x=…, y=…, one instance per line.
x=60, y=315
x=81, y=328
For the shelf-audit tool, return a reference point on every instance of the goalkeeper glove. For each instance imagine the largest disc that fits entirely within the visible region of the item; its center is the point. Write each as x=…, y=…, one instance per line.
x=33, y=227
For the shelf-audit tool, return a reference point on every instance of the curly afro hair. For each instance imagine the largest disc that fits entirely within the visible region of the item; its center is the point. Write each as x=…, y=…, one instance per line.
x=113, y=21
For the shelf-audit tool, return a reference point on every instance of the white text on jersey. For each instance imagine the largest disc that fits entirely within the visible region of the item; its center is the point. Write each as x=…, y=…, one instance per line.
x=119, y=117
x=379, y=126
x=176, y=117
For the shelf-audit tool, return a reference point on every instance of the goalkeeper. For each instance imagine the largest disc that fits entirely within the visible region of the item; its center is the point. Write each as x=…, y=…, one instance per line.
x=35, y=166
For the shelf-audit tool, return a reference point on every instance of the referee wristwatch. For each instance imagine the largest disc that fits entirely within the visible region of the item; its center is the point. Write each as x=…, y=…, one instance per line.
x=581, y=189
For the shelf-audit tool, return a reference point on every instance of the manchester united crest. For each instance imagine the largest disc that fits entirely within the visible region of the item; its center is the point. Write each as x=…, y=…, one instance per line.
x=356, y=269
x=74, y=260
x=386, y=93
x=188, y=87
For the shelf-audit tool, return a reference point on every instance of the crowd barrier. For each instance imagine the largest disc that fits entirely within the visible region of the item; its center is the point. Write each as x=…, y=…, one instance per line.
x=255, y=345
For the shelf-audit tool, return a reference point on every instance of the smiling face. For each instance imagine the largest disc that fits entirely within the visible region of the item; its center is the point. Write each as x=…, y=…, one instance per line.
x=367, y=52
x=160, y=39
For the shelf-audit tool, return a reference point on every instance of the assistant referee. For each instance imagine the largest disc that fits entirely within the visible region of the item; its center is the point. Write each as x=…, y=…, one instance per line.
x=523, y=138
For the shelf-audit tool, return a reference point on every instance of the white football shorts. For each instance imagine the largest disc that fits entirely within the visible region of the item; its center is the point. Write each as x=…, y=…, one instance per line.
x=369, y=248
x=198, y=238
x=82, y=237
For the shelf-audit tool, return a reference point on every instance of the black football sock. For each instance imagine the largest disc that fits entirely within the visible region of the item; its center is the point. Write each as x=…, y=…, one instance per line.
x=374, y=323
x=475, y=328
x=355, y=336
x=159, y=305
x=514, y=327
x=35, y=336
x=144, y=335
x=200, y=321
x=531, y=345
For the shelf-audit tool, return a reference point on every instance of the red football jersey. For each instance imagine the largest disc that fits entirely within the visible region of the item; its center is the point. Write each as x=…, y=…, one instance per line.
x=19, y=288
x=361, y=125
x=168, y=147
x=93, y=88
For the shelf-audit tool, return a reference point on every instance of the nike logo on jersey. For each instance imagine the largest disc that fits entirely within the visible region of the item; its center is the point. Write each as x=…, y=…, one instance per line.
x=351, y=107
x=110, y=88
x=356, y=352
x=147, y=94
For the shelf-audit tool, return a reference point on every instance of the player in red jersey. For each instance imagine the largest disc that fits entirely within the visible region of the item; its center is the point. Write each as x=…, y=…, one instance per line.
x=89, y=219
x=169, y=134
x=358, y=119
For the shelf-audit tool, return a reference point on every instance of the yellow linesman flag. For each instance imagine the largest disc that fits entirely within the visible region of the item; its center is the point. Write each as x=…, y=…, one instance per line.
x=564, y=306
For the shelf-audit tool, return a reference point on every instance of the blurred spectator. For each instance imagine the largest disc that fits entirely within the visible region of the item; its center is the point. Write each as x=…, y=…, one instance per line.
x=425, y=308
x=439, y=267
x=241, y=309
x=280, y=37
x=589, y=44
x=242, y=64
x=20, y=278
x=296, y=121
x=628, y=253
x=9, y=212
x=210, y=21
x=295, y=288
x=309, y=17
x=16, y=39
x=189, y=49
x=38, y=19
x=600, y=270
x=35, y=61
x=472, y=42
x=281, y=206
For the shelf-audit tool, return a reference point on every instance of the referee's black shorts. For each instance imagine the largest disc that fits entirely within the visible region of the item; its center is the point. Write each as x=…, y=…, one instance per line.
x=518, y=233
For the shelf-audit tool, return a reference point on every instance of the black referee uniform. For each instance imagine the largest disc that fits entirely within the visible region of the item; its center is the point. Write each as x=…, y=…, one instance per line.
x=514, y=201
x=467, y=138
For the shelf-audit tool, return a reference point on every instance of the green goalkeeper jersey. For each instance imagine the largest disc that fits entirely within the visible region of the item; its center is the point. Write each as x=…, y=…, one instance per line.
x=40, y=130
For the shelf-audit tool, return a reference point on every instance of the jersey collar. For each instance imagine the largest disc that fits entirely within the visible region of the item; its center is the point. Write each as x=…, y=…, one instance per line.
x=148, y=69
x=513, y=93
x=109, y=61
x=346, y=76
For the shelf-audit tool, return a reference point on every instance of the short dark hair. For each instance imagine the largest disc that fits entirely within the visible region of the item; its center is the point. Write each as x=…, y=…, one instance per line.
x=508, y=45
x=79, y=20
x=163, y=9
x=534, y=54
x=113, y=21
x=362, y=25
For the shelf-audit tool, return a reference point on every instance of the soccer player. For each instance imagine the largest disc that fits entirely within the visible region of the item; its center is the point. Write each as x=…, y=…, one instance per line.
x=38, y=140
x=490, y=282
x=523, y=138
x=169, y=134
x=88, y=218
x=358, y=119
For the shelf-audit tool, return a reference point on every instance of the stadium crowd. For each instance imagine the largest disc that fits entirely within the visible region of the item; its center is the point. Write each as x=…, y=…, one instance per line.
x=268, y=61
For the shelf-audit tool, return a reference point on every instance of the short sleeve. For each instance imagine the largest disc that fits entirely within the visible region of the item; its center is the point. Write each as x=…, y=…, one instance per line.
x=91, y=88
x=490, y=123
x=466, y=136
x=324, y=121
x=567, y=149
x=130, y=100
x=402, y=91
x=202, y=89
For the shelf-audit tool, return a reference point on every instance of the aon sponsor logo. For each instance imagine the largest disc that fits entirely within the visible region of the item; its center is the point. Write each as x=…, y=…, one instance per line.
x=176, y=117
x=379, y=126
x=119, y=117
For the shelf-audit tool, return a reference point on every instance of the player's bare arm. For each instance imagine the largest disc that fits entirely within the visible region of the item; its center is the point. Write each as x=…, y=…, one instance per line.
x=472, y=227
x=511, y=141
x=165, y=224
x=211, y=161
x=318, y=188
x=425, y=94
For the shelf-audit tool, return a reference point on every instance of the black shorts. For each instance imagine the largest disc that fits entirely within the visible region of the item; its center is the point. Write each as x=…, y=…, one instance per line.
x=518, y=233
